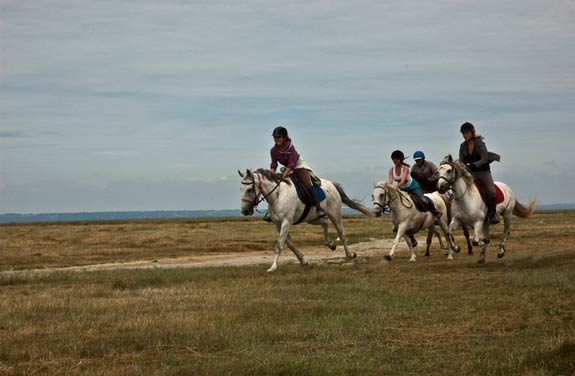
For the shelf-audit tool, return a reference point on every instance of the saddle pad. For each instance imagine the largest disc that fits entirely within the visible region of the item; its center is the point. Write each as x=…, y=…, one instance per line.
x=499, y=196
x=419, y=204
x=303, y=195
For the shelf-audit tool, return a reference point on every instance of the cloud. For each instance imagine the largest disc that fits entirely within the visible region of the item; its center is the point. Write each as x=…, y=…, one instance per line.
x=12, y=134
x=156, y=92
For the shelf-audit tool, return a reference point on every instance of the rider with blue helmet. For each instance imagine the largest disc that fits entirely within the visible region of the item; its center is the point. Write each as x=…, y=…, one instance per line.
x=425, y=172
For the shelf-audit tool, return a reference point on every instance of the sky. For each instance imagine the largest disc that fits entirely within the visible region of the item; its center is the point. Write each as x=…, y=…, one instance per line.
x=115, y=105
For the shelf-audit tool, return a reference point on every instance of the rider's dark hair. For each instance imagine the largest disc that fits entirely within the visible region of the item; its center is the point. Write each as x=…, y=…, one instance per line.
x=467, y=127
x=398, y=154
x=280, y=131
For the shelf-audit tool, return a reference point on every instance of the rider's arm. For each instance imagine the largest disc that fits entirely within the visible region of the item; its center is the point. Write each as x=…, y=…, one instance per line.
x=482, y=151
x=286, y=172
x=434, y=175
x=404, y=173
x=274, y=164
x=390, y=176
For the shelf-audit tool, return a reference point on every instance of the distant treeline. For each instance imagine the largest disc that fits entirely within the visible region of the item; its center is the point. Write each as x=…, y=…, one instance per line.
x=125, y=215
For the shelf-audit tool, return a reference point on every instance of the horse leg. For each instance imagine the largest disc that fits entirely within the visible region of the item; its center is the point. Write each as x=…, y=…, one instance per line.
x=400, y=233
x=283, y=229
x=484, y=243
x=327, y=241
x=428, y=241
x=447, y=233
x=338, y=224
x=439, y=237
x=478, y=229
x=469, y=244
x=296, y=251
x=411, y=247
x=506, y=232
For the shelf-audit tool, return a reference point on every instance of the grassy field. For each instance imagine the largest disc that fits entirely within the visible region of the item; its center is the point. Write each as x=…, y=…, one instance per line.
x=511, y=316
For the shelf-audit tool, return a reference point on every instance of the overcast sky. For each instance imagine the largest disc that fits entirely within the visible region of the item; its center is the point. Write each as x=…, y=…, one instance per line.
x=155, y=105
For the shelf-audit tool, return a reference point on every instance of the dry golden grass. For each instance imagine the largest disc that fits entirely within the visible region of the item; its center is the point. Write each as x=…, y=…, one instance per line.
x=29, y=246
x=511, y=316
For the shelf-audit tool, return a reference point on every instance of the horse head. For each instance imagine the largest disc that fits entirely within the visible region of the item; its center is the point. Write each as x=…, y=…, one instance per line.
x=380, y=197
x=249, y=192
x=449, y=171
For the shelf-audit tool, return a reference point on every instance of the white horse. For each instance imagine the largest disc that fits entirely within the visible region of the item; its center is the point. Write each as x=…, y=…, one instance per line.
x=468, y=207
x=286, y=209
x=408, y=219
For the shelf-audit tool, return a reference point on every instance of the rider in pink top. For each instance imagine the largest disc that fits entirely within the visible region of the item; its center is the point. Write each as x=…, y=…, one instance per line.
x=285, y=153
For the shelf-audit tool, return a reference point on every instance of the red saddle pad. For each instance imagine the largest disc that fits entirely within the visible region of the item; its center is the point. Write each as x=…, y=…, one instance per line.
x=499, y=196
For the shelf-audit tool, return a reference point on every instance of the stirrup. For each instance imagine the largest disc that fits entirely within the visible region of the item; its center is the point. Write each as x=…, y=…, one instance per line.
x=267, y=217
x=321, y=213
x=493, y=220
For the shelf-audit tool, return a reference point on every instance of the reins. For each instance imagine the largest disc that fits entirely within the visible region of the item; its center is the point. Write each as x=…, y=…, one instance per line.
x=452, y=182
x=402, y=199
x=255, y=202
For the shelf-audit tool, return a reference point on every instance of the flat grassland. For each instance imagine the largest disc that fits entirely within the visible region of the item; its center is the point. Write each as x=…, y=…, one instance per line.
x=514, y=315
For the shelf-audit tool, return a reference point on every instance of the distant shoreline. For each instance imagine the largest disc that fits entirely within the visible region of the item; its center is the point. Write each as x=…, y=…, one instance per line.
x=166, y=214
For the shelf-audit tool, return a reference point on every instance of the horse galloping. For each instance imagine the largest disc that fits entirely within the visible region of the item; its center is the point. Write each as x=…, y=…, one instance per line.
x=286, y=209
x=468, y=208
x=408, y=219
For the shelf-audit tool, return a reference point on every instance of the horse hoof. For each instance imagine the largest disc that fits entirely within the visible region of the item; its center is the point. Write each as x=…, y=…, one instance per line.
x=450, y=257
x=456, y=249
x=353, y=255
x=387, y=258
x=500, y=254
x=333, y=246
x=475, y=243
x=271, y=270
x=481, y=261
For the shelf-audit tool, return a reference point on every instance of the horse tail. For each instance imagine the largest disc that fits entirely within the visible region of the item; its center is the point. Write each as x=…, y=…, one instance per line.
x=523, y=211
x=355, y=205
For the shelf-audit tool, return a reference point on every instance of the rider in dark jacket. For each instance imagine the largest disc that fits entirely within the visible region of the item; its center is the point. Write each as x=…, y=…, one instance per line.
x=285, y=153
x=473, y=153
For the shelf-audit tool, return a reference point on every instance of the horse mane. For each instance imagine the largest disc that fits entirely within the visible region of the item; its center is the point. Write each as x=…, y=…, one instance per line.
x=462, y=170
x=276, y=178
x=388, y=188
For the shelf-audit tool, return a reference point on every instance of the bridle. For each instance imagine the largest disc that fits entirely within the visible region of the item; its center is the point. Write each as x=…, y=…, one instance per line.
x=452, y=181
x=259, y=191
x=385, y=207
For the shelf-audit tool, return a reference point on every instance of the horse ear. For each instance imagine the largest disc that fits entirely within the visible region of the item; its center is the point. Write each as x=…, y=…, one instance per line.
x=240, y=173
x=450, y=158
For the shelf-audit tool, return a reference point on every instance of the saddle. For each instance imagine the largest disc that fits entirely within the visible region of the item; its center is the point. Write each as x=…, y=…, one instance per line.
x=499, y=196
x=421, y=205
x=304, y=197
x=303, y=194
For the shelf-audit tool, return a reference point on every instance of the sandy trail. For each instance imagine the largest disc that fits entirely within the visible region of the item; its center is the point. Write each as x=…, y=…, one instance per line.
x=313, y=255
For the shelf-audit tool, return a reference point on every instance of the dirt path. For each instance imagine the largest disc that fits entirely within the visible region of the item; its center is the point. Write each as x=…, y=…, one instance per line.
x=313, y=255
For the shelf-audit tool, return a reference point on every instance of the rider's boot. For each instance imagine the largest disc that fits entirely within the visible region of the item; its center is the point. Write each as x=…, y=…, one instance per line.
x=431, y=207
x=491, y=213
x=320, y=212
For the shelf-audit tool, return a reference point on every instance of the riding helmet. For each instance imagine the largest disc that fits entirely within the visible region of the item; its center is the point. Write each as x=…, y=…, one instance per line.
x=467, y=127
x=418, y=155
x=280, y=132
x=397, y=154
